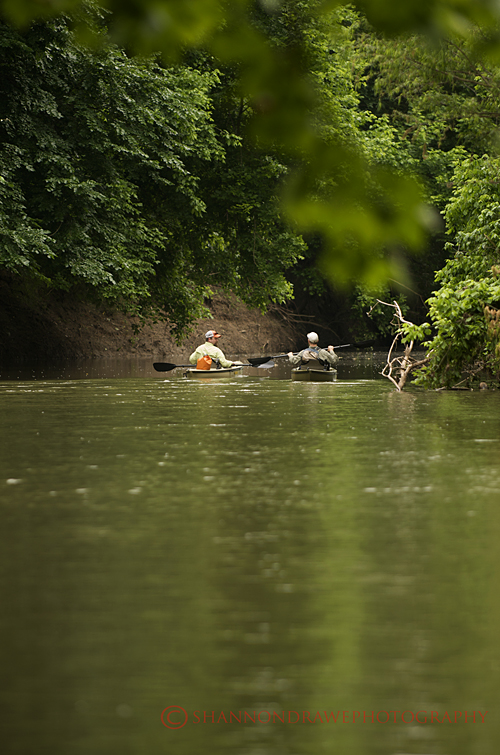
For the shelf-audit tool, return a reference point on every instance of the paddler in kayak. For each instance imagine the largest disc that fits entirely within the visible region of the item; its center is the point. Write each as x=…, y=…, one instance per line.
x=327, y=357
x=209, y=351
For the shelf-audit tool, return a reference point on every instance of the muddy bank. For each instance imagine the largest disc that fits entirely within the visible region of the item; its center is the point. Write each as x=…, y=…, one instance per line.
x=54, y=326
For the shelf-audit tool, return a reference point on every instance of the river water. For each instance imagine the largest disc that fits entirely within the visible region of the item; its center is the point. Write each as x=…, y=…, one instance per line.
x=248, y=566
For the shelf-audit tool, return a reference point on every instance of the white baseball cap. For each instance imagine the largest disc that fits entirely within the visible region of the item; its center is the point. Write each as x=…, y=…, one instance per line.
x=313, y=337
x=212, y=334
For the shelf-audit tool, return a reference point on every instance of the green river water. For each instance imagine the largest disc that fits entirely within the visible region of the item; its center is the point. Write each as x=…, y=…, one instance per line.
x=248, y=566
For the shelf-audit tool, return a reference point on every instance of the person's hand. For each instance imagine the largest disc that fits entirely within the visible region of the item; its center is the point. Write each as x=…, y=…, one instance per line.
x=290, y=354
x=236, y=364
x=330, y=348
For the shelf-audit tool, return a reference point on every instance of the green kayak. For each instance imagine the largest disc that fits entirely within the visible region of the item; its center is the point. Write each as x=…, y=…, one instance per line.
x=309, y=374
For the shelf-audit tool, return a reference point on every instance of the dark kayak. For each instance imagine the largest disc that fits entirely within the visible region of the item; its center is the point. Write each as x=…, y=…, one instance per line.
x=309, y=374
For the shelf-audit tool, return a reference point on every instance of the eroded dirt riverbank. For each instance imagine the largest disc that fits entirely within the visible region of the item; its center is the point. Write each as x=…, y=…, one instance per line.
x=57, y=327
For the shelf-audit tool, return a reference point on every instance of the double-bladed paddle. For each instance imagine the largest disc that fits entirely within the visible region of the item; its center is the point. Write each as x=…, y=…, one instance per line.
x=167, y=366
x=262, y=361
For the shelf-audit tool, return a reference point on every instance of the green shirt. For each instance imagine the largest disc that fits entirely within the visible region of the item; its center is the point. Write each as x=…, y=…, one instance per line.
x=210, y=350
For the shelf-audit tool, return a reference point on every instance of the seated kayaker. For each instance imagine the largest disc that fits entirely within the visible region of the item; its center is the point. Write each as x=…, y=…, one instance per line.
x=326, y=357
x=210, y=349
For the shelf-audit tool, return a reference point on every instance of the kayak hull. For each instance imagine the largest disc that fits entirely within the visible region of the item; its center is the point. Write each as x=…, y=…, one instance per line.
x=212, y=372
x=310, y=375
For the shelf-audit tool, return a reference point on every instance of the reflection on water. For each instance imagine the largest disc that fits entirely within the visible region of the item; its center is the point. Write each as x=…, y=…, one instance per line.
x=251, y=546
x=355, y=364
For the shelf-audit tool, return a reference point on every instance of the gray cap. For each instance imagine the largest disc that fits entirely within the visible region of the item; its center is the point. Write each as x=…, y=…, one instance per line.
x=313, y=337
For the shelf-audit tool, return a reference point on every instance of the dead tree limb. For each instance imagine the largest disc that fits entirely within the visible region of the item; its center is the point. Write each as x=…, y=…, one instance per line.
x=401, y=366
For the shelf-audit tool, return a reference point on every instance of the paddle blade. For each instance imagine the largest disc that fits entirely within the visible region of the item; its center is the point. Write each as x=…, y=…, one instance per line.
x=266, y=365
x=164, y=366
x=257, y=361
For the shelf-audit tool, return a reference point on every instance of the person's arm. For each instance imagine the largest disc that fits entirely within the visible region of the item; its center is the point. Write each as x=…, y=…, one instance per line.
x=218, y=354
x=295, y=359
x=330, y=355
x=194, y=357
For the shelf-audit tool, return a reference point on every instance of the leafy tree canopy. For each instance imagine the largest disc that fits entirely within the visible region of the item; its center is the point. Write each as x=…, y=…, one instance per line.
x=280, y=73
x=355, y=207
x=442, y=97
x=113, y=176
x=465, y=309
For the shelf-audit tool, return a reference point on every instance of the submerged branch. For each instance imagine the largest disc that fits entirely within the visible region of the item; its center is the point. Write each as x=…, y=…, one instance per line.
x=400, y=365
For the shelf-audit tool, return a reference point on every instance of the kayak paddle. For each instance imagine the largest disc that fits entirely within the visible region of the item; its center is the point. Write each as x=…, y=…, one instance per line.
x=259, y=361
x=167, y=366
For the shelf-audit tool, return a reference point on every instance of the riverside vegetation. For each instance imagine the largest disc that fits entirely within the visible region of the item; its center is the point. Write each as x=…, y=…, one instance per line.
x=274, y=149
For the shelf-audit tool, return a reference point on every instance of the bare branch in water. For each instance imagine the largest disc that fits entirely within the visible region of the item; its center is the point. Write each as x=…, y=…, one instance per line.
x=401, y=366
